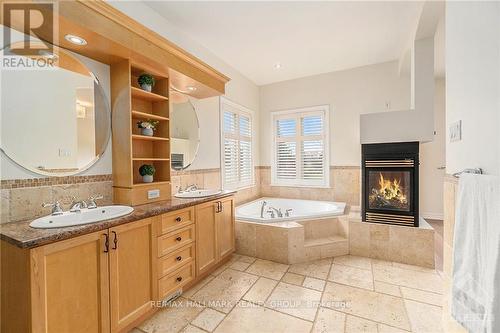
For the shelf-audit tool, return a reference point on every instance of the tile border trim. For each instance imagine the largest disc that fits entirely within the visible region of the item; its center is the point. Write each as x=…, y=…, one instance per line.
x=51, y=181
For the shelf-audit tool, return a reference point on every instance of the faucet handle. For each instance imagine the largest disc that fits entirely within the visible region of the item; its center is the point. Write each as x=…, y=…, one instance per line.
x=92, y=201
x=56, y=207
x=287, y=212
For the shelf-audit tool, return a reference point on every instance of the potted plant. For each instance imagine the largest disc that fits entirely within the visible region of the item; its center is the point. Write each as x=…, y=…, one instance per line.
x=146, y=82
x=147, y=171
x=147, y=126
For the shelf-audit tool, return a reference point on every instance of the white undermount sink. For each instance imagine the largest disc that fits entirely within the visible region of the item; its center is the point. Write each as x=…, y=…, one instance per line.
x=197, y=194
x=86, y=216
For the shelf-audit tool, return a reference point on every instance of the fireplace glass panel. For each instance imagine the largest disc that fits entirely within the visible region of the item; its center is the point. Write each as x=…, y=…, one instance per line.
x=389, y=190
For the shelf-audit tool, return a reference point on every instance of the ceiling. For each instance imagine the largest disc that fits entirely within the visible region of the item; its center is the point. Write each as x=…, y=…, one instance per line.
x=306, y=38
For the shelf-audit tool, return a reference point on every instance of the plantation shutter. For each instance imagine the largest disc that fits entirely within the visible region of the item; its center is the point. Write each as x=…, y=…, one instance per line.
x=300, y=156
x=237, y=141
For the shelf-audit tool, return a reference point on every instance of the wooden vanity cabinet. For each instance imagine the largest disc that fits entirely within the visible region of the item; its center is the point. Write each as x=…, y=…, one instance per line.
x=70, y=286
x=100, y=282
x=107, y=281
x=132, y=272
x=214, y=233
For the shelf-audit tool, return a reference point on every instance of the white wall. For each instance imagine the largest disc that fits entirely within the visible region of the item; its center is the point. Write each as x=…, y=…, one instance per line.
x=473, y=84
x=239, y=89
x=432, y=157
x=349, y=93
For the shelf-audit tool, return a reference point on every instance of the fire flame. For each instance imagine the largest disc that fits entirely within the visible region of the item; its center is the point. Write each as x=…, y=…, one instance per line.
x=391, y=190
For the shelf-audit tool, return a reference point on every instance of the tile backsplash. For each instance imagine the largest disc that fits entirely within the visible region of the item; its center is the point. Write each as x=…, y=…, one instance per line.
x=22, y=199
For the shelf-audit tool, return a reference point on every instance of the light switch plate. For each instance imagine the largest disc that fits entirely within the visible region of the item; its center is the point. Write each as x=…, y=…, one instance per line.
x=456, y=131
x=153, y=194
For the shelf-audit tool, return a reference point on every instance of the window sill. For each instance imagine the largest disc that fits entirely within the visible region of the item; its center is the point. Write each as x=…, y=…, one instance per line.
x=301, y=186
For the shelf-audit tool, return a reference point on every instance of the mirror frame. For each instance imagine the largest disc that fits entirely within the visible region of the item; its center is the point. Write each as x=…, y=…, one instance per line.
x=189, y=100
x=104, y=145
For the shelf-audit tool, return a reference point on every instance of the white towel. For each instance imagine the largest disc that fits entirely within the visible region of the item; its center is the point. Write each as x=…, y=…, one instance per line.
x=475, y=295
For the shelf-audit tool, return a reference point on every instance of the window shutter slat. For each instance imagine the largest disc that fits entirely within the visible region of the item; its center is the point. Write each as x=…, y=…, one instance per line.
x=238, y=156
x=300, y=157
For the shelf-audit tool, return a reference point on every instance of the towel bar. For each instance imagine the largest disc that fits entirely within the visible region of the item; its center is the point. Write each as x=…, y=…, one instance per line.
x=477, y=171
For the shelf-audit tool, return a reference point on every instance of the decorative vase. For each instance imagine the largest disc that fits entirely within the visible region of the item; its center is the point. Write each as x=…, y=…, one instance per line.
x=147, y=131
x=146, y=87
x=147, y=178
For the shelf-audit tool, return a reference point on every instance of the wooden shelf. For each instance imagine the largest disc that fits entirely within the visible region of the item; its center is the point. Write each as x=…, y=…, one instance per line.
x=150, y=159
x=148, y=138
x=146, y=95
x=145, y=115
x=153, y=183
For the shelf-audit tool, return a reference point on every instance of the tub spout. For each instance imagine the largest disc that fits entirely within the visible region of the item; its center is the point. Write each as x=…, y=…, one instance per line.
x=262, y=209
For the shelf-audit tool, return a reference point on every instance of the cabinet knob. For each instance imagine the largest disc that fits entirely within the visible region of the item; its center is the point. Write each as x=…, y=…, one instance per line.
x=178, y=219
x=179, y=258
x=178, y=239
x=179, y=279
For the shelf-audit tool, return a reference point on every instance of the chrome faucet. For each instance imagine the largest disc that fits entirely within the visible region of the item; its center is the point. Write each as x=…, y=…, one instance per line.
x=77, y=206
x=56, y=207
x=262, y=209
x=92, y=201
x=287, y=212
x=272, y=210
x=190, y=188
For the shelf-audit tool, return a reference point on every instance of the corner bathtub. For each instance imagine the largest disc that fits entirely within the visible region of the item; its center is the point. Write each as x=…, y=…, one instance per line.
x=300, y=210
x=314, y=230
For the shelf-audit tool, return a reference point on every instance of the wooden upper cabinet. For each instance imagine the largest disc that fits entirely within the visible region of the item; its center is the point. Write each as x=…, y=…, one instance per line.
x=69, y=291
x=132, y=272
x=225, y=228
x=206, y=237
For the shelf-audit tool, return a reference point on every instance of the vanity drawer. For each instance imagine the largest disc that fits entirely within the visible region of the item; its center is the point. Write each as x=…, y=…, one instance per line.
x=176, y=280
x=177, y=219
x=176, y=259
x=175, y=240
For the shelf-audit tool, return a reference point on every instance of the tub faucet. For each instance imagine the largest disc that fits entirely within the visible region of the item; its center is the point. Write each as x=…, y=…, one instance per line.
x=278, y=212
x=262, y=209
x=287, y=212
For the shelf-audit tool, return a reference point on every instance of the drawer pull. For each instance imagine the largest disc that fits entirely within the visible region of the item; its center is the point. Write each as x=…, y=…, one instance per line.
x=178, y=239
x=178, y=219
x=179, y=279
x=179, y=258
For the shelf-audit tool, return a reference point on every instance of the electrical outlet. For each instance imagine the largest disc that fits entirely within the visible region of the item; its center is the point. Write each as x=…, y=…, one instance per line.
x=456, y=131
x=153, y=194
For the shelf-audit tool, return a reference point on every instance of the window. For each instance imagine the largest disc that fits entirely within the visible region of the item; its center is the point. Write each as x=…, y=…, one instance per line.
x=300, y=147
x=237, y=155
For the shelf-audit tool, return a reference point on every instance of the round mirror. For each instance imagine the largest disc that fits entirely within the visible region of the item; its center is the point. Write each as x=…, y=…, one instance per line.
x=184, y=131
x=57, y=121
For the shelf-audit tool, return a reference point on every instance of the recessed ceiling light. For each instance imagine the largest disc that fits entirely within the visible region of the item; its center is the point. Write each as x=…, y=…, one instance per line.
x=277, y=65
x=191, y=88
x=75, y=40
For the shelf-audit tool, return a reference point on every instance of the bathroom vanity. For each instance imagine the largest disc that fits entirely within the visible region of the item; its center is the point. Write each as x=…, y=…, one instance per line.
x=117, y=270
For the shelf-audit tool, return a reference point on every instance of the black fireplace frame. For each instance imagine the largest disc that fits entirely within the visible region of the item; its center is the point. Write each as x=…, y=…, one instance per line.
x=374, y=153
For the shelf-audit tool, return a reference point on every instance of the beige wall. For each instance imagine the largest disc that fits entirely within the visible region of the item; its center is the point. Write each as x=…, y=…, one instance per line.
x=349, y=94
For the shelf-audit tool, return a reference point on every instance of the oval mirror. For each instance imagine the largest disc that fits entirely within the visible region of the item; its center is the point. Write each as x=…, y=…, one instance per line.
x=57, y=121
x=184, y=131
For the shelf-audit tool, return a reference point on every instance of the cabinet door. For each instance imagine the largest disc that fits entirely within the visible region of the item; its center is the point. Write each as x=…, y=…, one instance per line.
x=69, y=285
x=132, y=272
x=206, y=237
x=225, y=228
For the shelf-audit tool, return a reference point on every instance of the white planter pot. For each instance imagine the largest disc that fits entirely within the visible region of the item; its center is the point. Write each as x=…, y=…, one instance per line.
x=147, y=131
x=146, y=87
x=147, y=179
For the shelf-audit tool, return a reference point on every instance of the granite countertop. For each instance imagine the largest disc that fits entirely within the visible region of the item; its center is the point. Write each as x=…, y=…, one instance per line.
x=24, y=236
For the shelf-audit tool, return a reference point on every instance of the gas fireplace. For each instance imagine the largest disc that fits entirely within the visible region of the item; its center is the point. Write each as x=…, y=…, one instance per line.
x=390, y=183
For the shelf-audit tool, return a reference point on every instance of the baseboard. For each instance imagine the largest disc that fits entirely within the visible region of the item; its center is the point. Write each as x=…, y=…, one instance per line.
x=432, y=216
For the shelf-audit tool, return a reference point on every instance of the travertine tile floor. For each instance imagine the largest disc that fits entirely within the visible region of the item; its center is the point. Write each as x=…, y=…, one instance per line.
x=342, y=294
